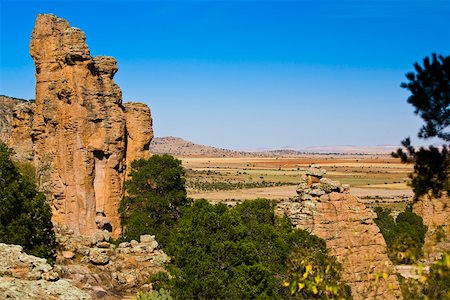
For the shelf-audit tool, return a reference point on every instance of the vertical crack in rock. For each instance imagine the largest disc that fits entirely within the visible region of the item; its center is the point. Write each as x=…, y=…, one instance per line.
x=79, y=128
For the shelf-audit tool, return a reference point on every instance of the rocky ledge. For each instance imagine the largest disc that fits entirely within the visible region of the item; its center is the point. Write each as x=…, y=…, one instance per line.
x=105, y=269
x=24, y=276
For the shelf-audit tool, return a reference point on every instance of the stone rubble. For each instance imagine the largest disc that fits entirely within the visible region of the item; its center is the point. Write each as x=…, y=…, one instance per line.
x=92, y=261
x=24, y=276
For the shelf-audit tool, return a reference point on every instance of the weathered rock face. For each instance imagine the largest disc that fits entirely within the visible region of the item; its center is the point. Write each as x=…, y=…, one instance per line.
x=327, y=209
x=80, y=128
x=16, y=118
x=92, y=261
x=436, y=215
x=139, y=131
x=24, y=276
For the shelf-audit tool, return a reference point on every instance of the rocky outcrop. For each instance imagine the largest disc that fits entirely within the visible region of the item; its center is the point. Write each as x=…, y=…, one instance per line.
x=139, y=131
x=80, y=128
x=93, y=263
x=327, y=209
x=24, y=276
x=436, y=215
x=16, y=118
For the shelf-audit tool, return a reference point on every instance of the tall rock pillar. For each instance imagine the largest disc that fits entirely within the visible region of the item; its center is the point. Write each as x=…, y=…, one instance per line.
x=79, y=128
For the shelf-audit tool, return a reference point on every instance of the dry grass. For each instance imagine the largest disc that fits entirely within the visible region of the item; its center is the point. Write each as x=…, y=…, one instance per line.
x=375, y=179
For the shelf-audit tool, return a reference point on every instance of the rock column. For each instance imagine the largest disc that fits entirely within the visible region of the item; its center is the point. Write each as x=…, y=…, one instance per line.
x=327, y=209
x=79, y=128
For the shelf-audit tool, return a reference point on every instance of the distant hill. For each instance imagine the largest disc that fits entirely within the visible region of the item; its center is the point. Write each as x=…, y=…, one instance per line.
x=178, y=146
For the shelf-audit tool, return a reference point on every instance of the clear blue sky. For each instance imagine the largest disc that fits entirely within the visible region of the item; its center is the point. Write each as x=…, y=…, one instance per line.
x=251, y=74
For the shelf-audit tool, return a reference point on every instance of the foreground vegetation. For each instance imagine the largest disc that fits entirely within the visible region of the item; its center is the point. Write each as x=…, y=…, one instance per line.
x=218, y=252
x=25, y=215
x=246, y=252
x=432, y=285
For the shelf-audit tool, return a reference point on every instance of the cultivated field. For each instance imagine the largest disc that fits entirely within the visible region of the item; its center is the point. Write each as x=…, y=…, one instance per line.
x=378, y=180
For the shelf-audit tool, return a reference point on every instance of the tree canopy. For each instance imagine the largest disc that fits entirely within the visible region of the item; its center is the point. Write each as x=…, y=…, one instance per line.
x=430, y=96
x=246, y=252
x=25, y=215
x=404, y=237
x=155, y=196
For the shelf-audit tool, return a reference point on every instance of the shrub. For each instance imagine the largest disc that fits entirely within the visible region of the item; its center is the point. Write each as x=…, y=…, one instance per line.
x=404, y=237
x=435, y=285
x=25, y=215
x=162, y=294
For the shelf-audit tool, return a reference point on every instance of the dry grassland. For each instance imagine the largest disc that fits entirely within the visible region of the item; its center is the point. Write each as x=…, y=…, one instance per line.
x=377, y=180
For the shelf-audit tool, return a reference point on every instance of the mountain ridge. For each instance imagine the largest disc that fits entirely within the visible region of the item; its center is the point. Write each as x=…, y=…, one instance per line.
x=179, y=146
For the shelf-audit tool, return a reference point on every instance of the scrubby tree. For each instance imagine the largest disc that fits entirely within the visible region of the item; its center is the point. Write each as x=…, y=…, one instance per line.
x=430, y=95
x=155, y=197
x=25, y=215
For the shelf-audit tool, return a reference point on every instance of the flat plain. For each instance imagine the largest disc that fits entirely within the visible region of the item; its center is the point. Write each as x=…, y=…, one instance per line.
x=378, y=180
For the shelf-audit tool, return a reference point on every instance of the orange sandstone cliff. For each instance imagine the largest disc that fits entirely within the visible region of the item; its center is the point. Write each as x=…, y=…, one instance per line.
x=83, y=136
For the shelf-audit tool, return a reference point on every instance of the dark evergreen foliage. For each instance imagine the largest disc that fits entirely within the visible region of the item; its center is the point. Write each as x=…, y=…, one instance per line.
x=404, y=237
x=243, y=253
x=155, y=197
x=25, y=215
x=431, y=168
x=430, y=96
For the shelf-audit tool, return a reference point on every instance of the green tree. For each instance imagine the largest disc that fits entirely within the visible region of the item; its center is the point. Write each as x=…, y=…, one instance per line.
x=431, y=168
x=404, y=237
x=25, y=215
x=241, y=253
x=155, y=197
x=430, y=95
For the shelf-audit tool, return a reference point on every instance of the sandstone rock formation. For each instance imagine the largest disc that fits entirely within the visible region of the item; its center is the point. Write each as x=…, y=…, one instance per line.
x=93, y=263
x=436, y=215
x=24, y=276
x=139, y=131
x=80, y=128
x=327, y=209
x=16, y=118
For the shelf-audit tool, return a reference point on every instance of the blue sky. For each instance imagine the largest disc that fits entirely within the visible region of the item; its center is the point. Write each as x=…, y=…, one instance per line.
x=251, y=74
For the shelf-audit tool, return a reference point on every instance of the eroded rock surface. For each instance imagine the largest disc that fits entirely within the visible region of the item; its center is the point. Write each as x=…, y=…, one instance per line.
x=93, y=263
x=16, y=118
x=139, y=131
x=327, y=209
x=24, y=276
x=80, y=128
x=436, y=215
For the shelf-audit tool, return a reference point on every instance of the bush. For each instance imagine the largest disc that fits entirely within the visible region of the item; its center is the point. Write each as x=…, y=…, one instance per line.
x=155, y=198
x=25, y=215
x=162, y=294
x=433, y=286
x=404, y=237
x=240, y=253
